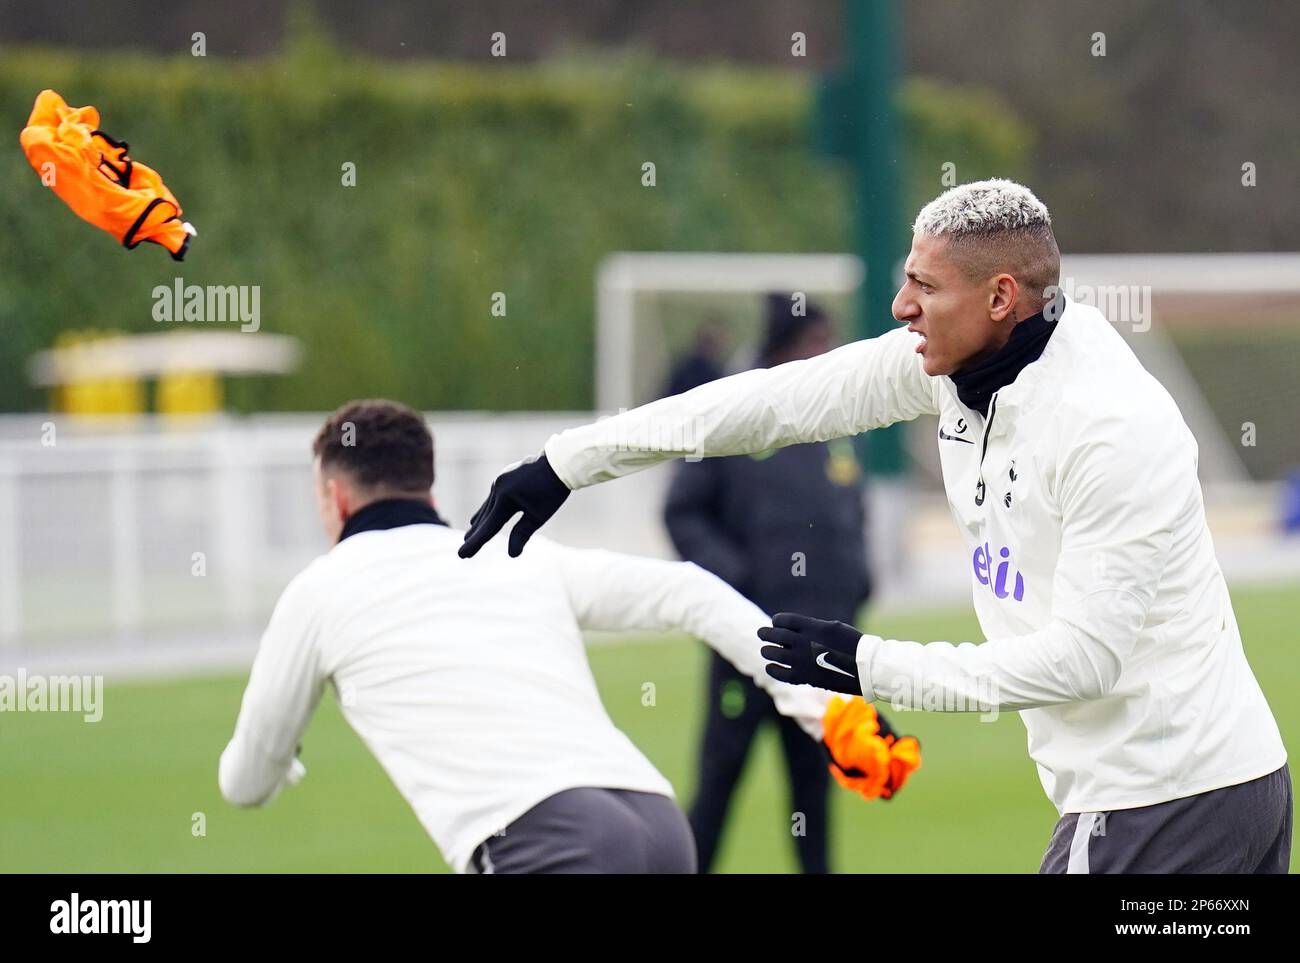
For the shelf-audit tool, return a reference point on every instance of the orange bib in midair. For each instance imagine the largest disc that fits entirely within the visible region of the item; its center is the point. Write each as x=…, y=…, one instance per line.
x=93, y=174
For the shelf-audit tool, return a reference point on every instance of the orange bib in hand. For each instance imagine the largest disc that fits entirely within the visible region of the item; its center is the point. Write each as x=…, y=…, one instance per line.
x=93, y=174
x=868, y=758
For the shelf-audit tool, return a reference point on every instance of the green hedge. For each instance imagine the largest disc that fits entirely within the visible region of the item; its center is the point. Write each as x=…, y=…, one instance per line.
x=470, y=179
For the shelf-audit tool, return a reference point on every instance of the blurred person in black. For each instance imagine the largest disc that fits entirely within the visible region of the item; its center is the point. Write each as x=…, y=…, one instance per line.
x=786, y=528
x=700, y=365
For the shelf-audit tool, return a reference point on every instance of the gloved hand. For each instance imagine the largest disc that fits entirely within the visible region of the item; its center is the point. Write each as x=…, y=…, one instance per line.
x=531, y=487
x=866, y=756
x=806, y=651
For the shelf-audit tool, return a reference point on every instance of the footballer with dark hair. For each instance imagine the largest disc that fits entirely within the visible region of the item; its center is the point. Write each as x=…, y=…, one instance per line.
x=469, y=681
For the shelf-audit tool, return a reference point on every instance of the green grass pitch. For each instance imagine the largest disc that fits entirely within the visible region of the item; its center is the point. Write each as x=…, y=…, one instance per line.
x=121, y=795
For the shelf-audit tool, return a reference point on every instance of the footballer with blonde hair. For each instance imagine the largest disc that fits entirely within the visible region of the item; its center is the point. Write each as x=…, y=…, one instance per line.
x=1071, y=476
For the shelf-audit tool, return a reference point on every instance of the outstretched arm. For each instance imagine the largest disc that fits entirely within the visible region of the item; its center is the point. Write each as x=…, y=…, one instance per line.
x=283, y=688
x=610, y=591
x=866, y=384
x=863, y=385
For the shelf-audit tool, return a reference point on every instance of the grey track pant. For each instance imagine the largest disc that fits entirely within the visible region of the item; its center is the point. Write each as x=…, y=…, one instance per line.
x=1237, y=829
x=592, y=830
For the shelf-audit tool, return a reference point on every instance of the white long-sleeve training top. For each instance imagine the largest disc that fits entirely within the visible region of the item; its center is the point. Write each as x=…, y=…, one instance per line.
x=1107, y=619
x=468, y=678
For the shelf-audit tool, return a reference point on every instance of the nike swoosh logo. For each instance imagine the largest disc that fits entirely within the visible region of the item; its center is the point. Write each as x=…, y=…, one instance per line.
x=947, y=437
x=821, y=660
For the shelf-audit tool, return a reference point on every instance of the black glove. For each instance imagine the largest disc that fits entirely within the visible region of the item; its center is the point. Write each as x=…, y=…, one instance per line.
x=532, y=488
x=808, y=651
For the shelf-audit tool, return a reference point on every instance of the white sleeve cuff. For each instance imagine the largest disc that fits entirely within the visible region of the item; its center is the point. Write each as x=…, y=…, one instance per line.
x=865, y=655
x=560, y=452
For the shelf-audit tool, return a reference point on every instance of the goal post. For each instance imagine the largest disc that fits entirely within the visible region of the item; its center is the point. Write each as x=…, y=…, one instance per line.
x=623, y=372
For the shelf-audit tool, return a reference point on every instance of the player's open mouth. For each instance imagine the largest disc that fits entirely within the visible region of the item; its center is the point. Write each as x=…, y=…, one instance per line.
x=920, y=348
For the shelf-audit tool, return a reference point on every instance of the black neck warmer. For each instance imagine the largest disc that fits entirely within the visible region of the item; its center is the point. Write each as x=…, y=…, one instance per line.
x=976, y=384
x=390, y=513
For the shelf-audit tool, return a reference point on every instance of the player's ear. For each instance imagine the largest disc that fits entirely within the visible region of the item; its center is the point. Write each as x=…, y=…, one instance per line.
x=1004, y=293
x=340, y=496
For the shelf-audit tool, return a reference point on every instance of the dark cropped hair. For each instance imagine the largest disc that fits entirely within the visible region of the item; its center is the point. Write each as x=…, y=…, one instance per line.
x=380, y=444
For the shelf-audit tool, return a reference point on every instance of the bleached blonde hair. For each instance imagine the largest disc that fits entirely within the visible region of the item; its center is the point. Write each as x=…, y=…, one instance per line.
x=982, y=207
x=996, y=226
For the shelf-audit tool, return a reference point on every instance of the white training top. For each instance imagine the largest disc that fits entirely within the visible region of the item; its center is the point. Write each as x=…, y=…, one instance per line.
x=468, y=679
x=1107, y=619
